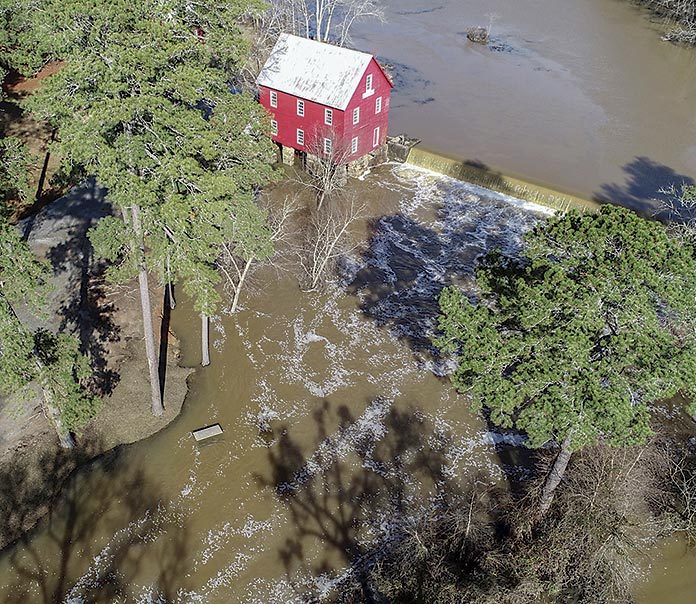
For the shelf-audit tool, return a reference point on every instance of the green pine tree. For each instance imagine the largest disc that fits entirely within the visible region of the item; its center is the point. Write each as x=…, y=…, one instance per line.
x=23, y=46
x=133, y=105
x=51, y=360
x=573, y=341
x=16, y=161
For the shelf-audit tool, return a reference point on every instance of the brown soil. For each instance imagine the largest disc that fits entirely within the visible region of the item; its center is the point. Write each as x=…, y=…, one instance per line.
x=14, y=121
x=16, y=83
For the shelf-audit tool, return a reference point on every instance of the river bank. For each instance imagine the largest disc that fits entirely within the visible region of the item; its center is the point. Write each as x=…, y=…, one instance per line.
x=107, y=320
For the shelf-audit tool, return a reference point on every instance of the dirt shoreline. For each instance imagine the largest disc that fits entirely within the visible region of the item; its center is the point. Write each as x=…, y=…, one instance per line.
x=107, y=320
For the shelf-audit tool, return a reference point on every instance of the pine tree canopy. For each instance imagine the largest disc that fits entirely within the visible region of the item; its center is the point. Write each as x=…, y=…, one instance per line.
x=15, y=164
x=144, y=103
x=577, y=337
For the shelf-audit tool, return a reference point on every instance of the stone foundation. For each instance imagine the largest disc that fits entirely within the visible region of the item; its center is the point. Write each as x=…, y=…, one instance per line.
x=398, y=147
x=288, y=156
x=354, y=169
x=360, y=166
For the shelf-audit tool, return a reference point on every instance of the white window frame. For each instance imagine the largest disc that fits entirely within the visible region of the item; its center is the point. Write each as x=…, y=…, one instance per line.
x=328, y=146
x=369, y=83
x=378, y=104
x=354, y=145
x=300, y=107
x=274, y=127
x=356, y=116
x=274, y=99
x=375, y=137
x=328, y=117
x=300, y=137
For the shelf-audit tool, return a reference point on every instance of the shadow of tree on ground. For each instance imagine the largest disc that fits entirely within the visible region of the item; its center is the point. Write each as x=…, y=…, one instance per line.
x=81, y=550
x=164, y=337
x=83, y=307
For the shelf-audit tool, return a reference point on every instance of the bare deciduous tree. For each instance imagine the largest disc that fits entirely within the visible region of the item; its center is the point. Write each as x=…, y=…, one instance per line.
x=237, y=264
x=332, y=20
x=673, y=495
x=322, y=20
x=327, y=238
x=681, y=12
x=264, y=29
x=682, y=480
x=482, y=546
x=327, y=158
x=679, y=206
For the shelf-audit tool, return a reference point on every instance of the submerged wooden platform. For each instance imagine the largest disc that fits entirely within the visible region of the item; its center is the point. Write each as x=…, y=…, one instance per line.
x=207, y=432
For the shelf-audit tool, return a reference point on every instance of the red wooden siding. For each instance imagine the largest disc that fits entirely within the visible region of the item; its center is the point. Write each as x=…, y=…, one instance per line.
x=369, y=118
x=343, y=130
x=288, y=121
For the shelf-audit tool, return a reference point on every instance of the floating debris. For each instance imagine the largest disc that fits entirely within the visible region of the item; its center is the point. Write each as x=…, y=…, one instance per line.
x=207, y=432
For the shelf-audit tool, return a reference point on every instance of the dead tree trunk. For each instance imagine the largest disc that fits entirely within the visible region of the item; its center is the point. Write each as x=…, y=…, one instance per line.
x=157, y=408
x=205, y=340
x=66, y=439
x=240, y=284
x=555, y=476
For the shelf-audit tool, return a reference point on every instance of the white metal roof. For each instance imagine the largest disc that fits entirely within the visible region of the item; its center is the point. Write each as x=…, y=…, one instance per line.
x=315, y=71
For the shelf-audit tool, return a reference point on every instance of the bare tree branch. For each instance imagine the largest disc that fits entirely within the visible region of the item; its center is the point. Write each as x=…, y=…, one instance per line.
x=327, y=238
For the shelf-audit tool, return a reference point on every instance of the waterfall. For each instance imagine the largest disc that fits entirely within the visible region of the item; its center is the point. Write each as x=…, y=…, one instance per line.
x=479, y=174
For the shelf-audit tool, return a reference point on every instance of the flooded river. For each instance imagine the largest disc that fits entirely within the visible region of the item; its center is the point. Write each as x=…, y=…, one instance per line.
x=335, y=418
x=335, y=424
x=579, y=94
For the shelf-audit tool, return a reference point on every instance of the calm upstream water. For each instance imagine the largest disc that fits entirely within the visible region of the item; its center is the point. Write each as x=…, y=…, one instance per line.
x=579, y=94
x=336, y=422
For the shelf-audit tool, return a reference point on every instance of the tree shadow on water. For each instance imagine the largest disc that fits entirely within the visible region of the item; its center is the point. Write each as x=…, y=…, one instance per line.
x=641, y=192
x=407, y=263
x=100, y=529
x=403, y=269
x=356, y=492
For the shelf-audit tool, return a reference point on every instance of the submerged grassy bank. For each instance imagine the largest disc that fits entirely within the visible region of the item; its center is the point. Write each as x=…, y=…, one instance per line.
x=680, y=17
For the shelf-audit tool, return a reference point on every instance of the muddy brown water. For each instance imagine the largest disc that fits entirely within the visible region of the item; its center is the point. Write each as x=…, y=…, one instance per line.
x=581, y=95
x=336, y=427
x=335, y=418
